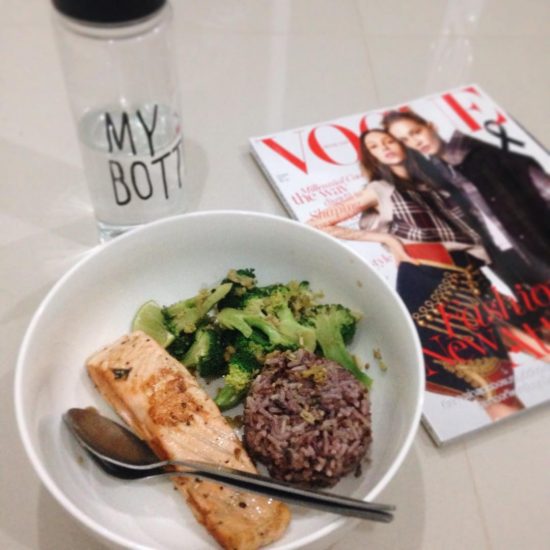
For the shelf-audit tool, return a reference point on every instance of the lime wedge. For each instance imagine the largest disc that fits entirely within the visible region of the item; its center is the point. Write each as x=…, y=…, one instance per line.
x=150, y=320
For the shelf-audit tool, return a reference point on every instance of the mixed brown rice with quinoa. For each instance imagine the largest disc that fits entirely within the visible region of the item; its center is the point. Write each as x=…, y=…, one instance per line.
x=307, y=419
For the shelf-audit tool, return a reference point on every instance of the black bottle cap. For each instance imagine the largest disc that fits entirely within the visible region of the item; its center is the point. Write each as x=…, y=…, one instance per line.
x=108, y=11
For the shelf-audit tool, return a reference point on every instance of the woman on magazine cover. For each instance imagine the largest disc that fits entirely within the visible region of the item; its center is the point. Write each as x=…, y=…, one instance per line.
x=439, y=258
x=506, y=195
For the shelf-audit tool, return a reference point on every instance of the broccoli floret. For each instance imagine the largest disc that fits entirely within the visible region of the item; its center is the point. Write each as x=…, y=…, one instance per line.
x=278, y=305
x=243, y=366
x=335, y=326
x=268, y=309
x=245, y=321
x=257, y=344
x=302, y=297
x=244, y=277
x=206, y=354
x=184, y=316
x=251, y=299
x=242, y=280
x=228, y=397
x=180, y=345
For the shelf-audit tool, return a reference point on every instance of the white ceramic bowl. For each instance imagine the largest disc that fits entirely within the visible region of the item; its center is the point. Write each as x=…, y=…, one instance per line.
x=93, y=304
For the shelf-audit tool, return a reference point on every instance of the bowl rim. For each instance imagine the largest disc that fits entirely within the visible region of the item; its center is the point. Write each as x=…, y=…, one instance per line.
x=24, y=431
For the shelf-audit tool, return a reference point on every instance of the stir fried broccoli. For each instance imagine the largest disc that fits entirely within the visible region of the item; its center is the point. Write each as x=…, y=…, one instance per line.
x=246, y=321
x=246, y=356
x=335, y=326
x=229, y=330
x=242, y=280
x=206, y=353
x=184, y=316
x=245, y=362
x=269, y=309
x=279, y=305
x=181, y=344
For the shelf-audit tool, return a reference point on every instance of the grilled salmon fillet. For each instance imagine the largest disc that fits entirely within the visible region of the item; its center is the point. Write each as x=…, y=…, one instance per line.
x=165, y=406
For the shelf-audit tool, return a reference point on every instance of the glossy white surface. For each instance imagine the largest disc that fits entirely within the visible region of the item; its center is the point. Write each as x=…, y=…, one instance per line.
x=249, y=68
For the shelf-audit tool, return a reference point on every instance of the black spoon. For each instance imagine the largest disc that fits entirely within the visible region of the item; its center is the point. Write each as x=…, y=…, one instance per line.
x=122, y=454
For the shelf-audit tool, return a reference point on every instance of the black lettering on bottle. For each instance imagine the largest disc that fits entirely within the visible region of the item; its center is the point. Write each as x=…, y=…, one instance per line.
x=149, y=192
x=163, y=171
x=177, y=148
x=149, y=131
x=119, y=137
x=120, y=189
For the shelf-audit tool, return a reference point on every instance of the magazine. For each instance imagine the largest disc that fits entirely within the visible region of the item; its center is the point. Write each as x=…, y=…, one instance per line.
x=448, y=197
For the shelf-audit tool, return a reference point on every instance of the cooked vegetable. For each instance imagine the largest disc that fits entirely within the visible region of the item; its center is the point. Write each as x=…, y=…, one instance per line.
x=335, y=326
x=268, y=309
x=184, y=316
x=181, y=344
x=230, y=329
x=206, y=353
x=244, y=364
x=242, y=280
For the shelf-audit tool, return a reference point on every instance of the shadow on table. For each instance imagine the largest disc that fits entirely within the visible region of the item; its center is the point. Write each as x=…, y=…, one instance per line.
x=406, y=491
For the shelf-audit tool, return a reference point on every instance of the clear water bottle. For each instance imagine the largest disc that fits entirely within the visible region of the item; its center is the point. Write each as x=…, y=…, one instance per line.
x=117, y=56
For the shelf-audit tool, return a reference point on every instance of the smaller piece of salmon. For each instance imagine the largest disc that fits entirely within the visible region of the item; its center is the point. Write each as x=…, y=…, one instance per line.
x=164, y=405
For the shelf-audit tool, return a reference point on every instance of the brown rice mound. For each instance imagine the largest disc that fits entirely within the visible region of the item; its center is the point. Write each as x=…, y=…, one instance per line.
x=307, y=419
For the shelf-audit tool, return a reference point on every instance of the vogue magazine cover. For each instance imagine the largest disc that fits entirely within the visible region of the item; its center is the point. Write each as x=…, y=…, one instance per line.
x=448, y=197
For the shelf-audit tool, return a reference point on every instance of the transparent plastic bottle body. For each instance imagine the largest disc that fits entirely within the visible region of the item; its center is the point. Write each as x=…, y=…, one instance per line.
x=123, y=90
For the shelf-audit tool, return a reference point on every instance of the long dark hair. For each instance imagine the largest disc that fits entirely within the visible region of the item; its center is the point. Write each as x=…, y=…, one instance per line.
x=376, y=170
x=393, y=116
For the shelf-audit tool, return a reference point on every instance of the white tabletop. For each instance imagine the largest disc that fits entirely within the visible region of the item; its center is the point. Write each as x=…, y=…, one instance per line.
x=249, y=68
